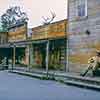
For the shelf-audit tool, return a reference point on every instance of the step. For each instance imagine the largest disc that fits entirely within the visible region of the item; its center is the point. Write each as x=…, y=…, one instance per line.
x=82, y=84
x=80, y=79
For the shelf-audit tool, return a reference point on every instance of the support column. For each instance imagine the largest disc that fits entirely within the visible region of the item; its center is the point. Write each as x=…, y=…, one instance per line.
x=67, y=55
x=27, y=59
x=47, y=57
x=31, y=60
x=14, y=57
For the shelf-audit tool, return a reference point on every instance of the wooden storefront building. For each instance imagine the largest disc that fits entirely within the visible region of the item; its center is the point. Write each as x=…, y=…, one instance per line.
x=44, y=48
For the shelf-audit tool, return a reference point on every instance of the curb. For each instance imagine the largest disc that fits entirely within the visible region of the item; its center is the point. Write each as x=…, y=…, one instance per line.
x=27, y=74
x=80, y=84
x=61, y=79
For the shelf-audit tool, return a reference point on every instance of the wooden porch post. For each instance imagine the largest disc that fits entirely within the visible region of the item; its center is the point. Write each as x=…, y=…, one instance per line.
x=47, y=57
x=30, y=55
x=14, y=56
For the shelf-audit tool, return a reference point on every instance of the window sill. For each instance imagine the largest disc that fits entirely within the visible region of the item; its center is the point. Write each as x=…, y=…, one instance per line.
x=78, y=18
x=74, y=19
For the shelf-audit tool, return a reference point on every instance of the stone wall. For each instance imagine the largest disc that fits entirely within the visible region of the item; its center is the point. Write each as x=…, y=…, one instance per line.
x=84, y=33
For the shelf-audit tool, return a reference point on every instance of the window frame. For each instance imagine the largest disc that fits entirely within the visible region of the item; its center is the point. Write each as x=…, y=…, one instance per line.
x=79, y=3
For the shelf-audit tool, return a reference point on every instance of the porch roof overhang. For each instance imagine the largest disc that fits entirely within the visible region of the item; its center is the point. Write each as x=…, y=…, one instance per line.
x=7, y=45
x=21, y=43
x=26, y=42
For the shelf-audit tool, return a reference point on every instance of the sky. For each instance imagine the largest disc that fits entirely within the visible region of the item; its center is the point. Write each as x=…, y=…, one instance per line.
x=35, y=9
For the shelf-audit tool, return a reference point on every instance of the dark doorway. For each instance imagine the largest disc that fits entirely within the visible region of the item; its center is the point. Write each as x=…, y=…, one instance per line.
x=39, y=57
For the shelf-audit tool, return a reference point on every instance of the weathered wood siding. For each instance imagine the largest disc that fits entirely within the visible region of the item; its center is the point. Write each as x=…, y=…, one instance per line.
x=3, y=37
x=17, y=33
x=81, y=45
x=53, y=30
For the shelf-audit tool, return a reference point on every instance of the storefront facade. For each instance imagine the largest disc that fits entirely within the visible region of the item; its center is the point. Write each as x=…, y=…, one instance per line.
x=53, y=35
x=84, y=32
x=44, y=49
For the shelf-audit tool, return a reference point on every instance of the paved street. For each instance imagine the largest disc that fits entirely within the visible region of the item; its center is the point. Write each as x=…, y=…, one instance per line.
x=17, y=87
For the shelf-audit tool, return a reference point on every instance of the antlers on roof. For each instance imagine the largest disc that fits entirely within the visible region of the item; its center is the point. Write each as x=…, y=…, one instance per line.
x=48, y=20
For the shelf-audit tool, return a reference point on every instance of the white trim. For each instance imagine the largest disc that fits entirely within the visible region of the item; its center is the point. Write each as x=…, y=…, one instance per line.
x=86, y=8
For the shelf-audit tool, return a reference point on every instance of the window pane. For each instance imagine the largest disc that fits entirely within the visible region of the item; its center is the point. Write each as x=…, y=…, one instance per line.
x=81, y=7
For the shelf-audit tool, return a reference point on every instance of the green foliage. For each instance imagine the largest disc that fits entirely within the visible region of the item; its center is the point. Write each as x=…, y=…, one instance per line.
x=13, y=16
